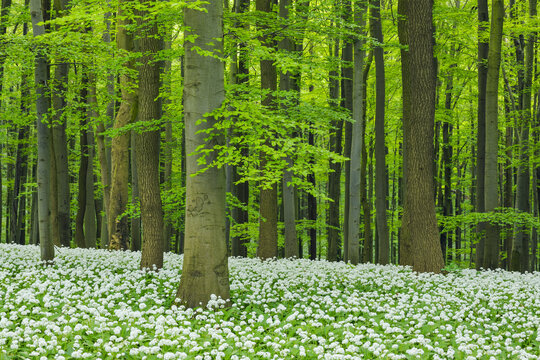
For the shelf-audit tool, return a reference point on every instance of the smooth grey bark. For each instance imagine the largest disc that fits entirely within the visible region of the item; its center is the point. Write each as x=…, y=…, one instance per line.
x=355, y=205
x=491, y=245
x=43, y=135
x=205, y=268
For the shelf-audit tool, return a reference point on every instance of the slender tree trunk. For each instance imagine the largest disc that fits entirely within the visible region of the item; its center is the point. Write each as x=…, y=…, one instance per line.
x=520, y=249
x=80, y=239
x=118, y=197
x=44, y=136
x=491, y=245
x=148, y=145
x=419, y=225
x=268, y=195
x=483, y=47
x=347, y=103
x=90, y=221
x=135, y=199
x=312, y=207
x=289, y=216
x=205, y=268
x=334, y=177
x=357, y=138
x=381, y=182
x=447, y=151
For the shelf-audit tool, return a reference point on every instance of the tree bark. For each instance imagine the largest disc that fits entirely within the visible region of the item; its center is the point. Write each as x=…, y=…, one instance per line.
x=483, y=47
x=80, y=239
x=268, y=196
x=381, y=182
x=148, y=144
x=419, y=224
x=289, y=209
x=205, y=268
x=44, y=136
x=491, y=245
x=519, y=260
x=353, y=253
x=118, y=197
x=334, y=177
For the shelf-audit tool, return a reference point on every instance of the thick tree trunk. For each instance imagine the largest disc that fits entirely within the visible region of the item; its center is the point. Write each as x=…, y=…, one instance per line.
x=205, y=268
x=148, y=146
x=44, y=136
x=118, y=197
x=483, y=47
x=491, y=245
x=419, y=226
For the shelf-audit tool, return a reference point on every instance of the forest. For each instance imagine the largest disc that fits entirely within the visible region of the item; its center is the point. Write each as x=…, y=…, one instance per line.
x=236, y=179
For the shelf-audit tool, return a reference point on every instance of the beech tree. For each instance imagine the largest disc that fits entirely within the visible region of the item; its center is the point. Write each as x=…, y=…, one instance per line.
x=205, y=269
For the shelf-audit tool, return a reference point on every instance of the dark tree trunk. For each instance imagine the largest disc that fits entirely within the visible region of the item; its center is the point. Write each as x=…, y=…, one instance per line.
x=148, y=146
x=491, y=199
x=268, y=195
x=483, y=47
x=419, y=227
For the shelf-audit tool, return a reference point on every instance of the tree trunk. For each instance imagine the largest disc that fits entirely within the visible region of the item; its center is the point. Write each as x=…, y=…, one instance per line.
x=519, y=260
x=80, y=239
x=483, y=47
x=90, y=222
x=419, y=226
x=289, y=216
x=205, y=268
x=118, y=197
x=334, y=177
x=135, y=199
x=148, y=145
x=353, y=253
x=381, y=182
x=447, y=150
x=347, y=103
x=268, y=196
x=44, y=136
x=491, y=245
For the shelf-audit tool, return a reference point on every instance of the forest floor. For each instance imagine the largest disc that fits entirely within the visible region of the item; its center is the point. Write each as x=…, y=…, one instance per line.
x=97, y=304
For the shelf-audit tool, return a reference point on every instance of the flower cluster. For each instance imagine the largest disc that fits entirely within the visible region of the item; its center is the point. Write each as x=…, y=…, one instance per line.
x=97, y=304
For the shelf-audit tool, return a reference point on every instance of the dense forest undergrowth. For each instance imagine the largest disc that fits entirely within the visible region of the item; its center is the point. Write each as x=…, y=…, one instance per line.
x=99, y=304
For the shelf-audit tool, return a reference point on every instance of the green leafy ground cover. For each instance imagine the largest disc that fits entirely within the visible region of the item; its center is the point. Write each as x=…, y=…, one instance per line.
x=96, y=304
